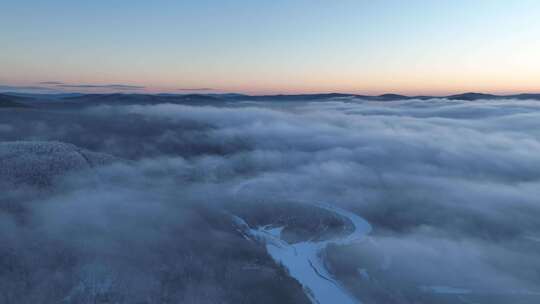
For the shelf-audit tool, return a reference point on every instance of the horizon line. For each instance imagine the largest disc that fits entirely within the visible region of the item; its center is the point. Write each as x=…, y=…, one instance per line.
x=197, y=92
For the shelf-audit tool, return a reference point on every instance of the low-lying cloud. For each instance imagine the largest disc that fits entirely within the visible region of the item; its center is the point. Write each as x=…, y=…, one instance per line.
x=51, y=82
x=26, y=89
x=451, y=188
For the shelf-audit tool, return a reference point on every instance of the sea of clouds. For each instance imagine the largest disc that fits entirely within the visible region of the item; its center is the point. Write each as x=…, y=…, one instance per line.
x=451, y=188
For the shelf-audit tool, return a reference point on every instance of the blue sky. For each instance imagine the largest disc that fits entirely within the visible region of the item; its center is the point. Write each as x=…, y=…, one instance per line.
x=412, y=47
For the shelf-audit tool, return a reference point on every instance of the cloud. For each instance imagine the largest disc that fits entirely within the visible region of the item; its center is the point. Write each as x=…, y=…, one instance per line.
x=101, y=86
x=51, y=82
x=26, y=89
x=451, y=189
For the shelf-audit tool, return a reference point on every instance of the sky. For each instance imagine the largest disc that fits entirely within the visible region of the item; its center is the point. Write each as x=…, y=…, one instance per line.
x=262, y=47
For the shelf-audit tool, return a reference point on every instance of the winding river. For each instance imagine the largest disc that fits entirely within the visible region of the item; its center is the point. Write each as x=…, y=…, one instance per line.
x=304, y=260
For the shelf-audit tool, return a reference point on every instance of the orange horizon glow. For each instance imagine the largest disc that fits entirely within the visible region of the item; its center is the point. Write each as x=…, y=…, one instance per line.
x=413, y=90
x=275, y=47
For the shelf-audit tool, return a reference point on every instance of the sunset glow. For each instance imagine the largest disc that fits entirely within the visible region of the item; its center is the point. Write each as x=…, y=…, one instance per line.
x=364, y=47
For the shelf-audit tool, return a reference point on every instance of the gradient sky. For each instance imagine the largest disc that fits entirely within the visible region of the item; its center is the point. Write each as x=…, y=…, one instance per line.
x=277, y=46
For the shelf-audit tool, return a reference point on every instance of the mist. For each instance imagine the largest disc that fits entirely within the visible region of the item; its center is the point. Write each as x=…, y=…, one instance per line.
x=450, y=188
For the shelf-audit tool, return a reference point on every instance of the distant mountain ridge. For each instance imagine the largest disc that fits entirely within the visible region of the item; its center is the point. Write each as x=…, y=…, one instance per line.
x=81, y=100
x=8, y=101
